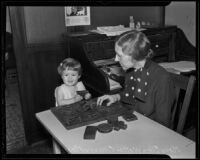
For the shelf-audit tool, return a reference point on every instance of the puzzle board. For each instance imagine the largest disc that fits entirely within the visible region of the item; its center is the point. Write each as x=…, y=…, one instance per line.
x=85, y=113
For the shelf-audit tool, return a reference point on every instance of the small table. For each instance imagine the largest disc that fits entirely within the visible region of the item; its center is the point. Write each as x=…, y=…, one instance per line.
x=142, y=136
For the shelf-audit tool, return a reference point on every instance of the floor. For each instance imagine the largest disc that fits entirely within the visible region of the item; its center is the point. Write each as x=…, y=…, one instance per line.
x=15, y=137
x=42, y=147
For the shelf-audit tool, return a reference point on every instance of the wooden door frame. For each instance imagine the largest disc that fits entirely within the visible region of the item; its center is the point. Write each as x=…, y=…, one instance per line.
x=23, y=65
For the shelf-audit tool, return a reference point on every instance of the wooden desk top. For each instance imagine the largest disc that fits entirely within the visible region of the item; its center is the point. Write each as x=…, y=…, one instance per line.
x=143, y=136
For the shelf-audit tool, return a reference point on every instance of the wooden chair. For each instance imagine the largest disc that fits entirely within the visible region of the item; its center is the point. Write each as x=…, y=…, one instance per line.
x=180, y=109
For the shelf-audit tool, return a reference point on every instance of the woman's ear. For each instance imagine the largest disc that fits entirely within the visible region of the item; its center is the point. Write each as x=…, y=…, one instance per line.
x=132, y=59
x=150, y=53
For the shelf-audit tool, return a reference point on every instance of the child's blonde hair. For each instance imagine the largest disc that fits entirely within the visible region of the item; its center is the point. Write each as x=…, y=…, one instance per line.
x=70, y=64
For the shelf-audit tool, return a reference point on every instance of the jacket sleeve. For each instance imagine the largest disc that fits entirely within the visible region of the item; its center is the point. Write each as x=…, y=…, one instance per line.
x=164, y=100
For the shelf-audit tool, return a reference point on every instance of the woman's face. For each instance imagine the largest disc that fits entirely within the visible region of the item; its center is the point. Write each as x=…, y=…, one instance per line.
x=70, y=77
x=125, y=61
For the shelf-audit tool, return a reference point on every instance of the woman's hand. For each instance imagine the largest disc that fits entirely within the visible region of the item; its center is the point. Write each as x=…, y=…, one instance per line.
x=111, y=99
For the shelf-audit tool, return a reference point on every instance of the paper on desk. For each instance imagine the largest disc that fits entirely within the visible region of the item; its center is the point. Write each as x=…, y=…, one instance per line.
x=114, y=84
x=117, y=70
x=172, y=70
x=105, y=62
x=181, y=66
x=113, y=30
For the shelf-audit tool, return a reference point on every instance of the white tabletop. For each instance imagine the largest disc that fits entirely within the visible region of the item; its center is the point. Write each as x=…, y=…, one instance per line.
x=143, y=136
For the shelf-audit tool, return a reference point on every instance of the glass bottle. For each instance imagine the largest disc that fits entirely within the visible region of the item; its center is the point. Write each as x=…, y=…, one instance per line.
x=131, y=22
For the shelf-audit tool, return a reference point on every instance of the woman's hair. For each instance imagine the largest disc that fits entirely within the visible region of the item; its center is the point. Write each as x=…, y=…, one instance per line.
x=135, y=44
x=70, y=64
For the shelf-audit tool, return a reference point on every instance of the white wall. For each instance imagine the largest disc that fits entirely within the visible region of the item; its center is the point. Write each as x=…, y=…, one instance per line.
x=8, y=28
x=183, y=15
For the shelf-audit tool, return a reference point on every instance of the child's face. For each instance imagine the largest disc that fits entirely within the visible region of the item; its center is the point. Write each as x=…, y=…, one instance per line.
x=125, y=61
x=70, y=77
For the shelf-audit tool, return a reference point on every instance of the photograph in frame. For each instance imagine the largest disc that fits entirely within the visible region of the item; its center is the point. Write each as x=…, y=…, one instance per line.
x=77, y=16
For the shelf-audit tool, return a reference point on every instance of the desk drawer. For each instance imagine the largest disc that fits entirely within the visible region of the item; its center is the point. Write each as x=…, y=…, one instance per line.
x=160, y=43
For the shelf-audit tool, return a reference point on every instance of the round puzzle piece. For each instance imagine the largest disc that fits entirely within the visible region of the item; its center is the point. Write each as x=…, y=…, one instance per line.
x=105, y=128
x=122, y=125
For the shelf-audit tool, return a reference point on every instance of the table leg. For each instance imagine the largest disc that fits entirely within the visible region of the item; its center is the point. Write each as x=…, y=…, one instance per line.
x=56, y=147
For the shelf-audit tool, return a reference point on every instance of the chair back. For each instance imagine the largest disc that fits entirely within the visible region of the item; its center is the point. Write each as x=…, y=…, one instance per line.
x=184, y=88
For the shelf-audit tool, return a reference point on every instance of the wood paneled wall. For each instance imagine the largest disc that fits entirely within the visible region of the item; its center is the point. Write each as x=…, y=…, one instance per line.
x=46, y=24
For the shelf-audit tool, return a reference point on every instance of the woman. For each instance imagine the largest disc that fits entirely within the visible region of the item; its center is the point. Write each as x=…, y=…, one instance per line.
x=148, y=87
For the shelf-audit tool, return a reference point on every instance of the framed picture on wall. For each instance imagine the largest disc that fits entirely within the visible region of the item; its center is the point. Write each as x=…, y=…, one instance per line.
x=77, y=15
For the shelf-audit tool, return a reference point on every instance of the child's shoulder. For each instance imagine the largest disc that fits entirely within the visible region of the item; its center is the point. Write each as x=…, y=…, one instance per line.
x=61, y=87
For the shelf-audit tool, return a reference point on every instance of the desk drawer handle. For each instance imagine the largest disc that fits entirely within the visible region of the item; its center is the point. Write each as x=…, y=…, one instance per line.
x=156, y=45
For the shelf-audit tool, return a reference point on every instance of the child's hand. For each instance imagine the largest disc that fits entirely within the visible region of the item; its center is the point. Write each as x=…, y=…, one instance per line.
x=87, y=96
x=78, y=98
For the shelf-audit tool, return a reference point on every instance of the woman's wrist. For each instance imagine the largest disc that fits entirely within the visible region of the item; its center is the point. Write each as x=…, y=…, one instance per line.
x=117, y=97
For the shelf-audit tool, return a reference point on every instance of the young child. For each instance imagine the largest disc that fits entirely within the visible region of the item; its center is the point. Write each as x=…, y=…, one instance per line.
x=70, y=91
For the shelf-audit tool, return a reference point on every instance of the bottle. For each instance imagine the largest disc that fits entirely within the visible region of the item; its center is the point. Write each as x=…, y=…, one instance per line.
x=138, y=25
x=131, y=23
x=143, y=23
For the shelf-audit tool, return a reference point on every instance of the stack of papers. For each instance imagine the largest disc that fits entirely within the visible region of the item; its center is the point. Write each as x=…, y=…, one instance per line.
x=113, y=30
x=179, y=66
